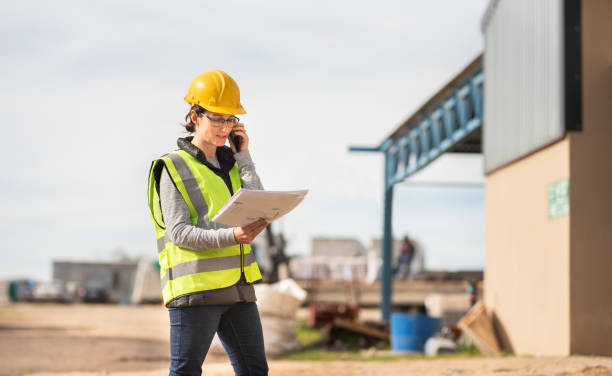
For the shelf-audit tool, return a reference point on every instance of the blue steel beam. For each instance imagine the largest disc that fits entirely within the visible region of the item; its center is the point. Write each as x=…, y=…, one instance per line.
x=442, y=125
x=364, y=149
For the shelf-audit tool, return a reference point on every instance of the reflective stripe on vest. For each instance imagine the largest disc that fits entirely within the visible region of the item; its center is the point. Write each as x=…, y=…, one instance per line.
x=191, y=186
x=183, y=270
x=205, y=265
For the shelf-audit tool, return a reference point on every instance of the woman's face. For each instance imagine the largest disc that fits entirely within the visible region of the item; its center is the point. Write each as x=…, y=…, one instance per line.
x=214, y=131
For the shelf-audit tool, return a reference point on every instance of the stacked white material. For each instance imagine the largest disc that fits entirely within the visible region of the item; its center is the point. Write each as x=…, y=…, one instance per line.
x=146, y=284
x=374, y=264
x=315, y=268
x=449, y=307
x=334, y=268
x=348, y=268
x=277, y=304
x=4, y=292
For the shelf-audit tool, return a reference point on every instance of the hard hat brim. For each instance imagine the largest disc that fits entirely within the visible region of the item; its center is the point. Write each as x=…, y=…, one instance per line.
x=221, y=109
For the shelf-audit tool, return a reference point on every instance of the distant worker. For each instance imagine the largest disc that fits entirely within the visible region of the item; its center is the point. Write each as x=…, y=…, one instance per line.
x=208, y=269
x=405, y=259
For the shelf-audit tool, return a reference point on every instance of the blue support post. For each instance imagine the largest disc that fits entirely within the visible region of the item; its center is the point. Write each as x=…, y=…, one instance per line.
x=387, y=241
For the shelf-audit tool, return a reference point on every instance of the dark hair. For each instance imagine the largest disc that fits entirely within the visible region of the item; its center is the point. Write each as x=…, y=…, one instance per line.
x=189, y=125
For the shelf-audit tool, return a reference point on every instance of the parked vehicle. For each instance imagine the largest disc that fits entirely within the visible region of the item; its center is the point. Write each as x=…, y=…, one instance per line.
x=93, y=292
x=21, y=290
x=54, y=291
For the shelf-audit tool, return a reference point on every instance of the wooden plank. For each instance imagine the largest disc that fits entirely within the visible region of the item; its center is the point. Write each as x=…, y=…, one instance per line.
x=477, y=325
x=361, y=328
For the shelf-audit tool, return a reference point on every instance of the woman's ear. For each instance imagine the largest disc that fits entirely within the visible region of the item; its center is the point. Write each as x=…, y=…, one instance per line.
x=194, y=117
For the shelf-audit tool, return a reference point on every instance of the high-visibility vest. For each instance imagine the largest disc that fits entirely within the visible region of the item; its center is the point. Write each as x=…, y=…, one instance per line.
x=182, y=270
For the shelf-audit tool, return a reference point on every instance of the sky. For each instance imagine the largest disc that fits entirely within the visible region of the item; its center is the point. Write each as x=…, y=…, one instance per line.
x=92, y=92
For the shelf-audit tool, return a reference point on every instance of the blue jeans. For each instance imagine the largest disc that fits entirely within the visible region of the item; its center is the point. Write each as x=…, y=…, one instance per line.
x=238, y=326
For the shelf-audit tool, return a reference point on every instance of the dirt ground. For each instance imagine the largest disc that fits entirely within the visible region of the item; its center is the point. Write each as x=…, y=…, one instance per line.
x=96, y=340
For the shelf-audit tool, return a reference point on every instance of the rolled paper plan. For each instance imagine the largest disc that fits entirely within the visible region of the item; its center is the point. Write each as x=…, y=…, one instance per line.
x=248, y=206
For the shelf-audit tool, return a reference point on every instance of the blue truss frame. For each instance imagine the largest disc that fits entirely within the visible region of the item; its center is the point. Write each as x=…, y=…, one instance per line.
x=446, y=124
x=443, y=125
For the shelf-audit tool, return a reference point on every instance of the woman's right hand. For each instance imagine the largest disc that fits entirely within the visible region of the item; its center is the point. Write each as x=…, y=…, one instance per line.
x=246, y=234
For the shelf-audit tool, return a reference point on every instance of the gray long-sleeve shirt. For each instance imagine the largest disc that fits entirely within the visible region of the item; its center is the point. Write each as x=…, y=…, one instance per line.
x=176, y=213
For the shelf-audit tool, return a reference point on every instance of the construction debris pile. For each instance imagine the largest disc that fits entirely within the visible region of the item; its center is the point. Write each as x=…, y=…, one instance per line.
x=453, y=323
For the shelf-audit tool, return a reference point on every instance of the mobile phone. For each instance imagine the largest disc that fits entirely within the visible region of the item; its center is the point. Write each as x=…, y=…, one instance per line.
x=237, y=140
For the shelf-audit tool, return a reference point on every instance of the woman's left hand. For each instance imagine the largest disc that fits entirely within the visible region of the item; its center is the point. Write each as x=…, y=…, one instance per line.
x=240, y=131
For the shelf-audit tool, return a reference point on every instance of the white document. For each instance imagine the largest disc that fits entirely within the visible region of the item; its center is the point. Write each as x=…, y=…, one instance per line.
x=248, y=205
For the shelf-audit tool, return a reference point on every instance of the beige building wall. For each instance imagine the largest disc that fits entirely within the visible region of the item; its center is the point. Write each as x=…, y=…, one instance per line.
x=548, y=281
x=591, y=190
x=527, y=274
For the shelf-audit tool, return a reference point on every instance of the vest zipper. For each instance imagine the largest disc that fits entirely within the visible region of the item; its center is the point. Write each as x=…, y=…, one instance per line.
x=242, y=276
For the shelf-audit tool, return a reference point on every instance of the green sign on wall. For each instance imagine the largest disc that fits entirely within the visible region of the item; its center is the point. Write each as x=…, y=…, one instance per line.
x=558, y=199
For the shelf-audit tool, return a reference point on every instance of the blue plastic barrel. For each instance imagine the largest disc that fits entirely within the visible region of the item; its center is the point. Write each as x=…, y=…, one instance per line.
x=410, y=331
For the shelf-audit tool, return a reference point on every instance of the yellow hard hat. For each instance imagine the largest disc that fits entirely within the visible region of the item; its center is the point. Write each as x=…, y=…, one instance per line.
x=216, y=91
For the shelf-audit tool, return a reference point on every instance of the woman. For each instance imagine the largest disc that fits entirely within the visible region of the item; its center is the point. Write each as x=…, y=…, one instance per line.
x=207, y=269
